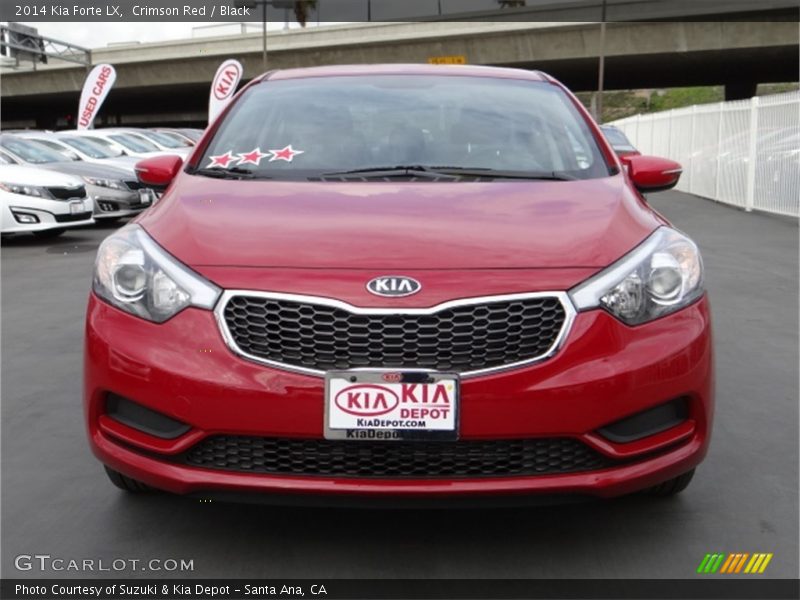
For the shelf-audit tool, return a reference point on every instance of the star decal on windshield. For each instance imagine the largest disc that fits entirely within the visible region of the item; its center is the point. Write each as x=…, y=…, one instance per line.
x=221, y=160
x=286, y=154
x=253, y=157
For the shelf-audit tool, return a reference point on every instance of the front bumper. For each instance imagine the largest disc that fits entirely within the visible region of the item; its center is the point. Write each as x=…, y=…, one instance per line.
x=114, y=204
x=49, y=214
x=605, y=371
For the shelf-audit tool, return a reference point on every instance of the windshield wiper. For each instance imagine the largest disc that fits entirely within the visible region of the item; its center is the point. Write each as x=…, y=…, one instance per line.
x=503, y=174
x=393, y=171
x=455, y=172
x=232, y=173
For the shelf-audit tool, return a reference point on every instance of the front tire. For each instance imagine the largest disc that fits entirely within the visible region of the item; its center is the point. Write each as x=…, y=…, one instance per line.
x=672, y=487
x=126, y=483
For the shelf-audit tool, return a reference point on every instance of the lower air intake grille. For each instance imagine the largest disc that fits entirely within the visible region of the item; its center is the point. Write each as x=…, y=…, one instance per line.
x=72, y=218
x=421, y=460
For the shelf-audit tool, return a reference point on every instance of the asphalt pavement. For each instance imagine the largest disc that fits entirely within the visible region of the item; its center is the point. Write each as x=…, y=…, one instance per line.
x=56, y=499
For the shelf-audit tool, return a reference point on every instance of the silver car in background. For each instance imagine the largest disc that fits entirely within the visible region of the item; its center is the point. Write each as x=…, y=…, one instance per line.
x=163, y=143
x=115, y=193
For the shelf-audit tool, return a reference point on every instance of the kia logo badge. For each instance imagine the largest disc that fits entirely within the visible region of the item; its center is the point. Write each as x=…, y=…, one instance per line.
x=393, y=286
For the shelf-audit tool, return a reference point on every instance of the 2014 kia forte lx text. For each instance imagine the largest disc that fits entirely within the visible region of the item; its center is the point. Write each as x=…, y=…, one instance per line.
x=400, y=281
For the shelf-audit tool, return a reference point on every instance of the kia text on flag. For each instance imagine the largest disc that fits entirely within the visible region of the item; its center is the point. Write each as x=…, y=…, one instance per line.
x=223, y=87
x=95, y=89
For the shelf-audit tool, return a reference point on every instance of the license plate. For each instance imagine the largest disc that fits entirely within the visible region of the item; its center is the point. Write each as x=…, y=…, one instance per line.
x=369, y=405
x=75, y=208
x=145, y=196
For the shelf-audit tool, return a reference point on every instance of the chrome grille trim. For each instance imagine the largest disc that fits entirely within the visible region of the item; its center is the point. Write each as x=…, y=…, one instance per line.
x=563, y=297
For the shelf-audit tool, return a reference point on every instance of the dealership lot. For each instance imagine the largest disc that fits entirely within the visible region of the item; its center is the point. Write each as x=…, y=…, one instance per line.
x=57, y=501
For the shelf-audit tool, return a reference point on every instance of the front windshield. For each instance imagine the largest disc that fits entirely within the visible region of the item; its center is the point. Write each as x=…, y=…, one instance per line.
x=134, y=143
x=194, y=134
x=165, y=140
x=336, y=124
x=68, y=154
x=617, y=139
x=31, y=151
x=108, y=146
x=89, y=147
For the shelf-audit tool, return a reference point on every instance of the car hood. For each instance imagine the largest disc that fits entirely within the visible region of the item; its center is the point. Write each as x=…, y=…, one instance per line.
x=37, y=176
x=408, y=225
x=126, y=163
x=87, y=169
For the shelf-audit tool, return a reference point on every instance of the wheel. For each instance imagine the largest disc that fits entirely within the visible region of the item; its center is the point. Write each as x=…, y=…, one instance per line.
x=126, y=483
x=48, y=233
x=671, y=487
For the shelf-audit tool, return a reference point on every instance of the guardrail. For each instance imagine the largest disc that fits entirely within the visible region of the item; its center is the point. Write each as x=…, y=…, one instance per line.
x=745, y=153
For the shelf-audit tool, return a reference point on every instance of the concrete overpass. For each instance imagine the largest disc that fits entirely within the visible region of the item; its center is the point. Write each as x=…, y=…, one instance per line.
x=167, y=82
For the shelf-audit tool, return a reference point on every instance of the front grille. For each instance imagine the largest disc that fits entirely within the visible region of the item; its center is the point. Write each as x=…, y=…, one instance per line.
x=62, y=193
x=463, y=339
x=357, y=459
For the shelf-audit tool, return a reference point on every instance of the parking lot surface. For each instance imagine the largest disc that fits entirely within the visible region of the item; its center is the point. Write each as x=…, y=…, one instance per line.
x=57, y=501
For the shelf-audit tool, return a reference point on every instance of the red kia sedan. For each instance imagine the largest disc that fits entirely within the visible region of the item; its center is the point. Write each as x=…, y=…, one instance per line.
x=401, y=282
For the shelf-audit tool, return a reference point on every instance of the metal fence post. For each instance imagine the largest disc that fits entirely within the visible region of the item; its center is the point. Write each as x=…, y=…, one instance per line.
x=718, y=177
x=691, y=149
x=669, y=133
x=652, y=120
x=752, y=155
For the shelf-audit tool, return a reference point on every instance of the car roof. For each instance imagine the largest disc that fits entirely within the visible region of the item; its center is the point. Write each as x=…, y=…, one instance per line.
x=407, y=69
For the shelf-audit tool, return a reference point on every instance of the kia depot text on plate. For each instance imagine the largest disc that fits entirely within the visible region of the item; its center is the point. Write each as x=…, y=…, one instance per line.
x=400, y=282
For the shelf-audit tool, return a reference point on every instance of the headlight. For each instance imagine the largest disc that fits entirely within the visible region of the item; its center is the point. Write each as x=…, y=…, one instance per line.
x=25, y=190
x=114, y=184
x=135, y=274
x=661, y=275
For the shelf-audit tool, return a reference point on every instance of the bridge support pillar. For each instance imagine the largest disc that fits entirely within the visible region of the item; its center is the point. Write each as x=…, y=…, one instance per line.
x=740, y=90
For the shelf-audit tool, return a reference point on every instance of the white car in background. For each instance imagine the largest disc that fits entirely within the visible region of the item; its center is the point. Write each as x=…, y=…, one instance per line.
x=82, y=148
x=163, y=145
x=120, y=141
x=44, y=203
x=164, y=142
x=191, y=134
x=188, y=134
x=117, y=194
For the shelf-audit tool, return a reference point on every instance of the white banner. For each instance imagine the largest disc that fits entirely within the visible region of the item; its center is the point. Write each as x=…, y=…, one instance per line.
x=223, y=87
x=95, y=89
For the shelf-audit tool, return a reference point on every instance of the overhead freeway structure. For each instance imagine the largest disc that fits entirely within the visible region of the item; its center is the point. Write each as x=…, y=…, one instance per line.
x=658, y=44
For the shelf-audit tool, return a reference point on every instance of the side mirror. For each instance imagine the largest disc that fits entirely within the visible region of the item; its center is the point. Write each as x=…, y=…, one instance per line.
x=159, y=171
x=652, y=174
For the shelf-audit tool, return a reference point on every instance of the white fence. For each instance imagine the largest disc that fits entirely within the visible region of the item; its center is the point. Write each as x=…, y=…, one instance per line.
x=745, y=153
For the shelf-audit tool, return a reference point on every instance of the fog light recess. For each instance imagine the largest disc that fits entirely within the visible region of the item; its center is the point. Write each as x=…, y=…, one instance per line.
x=143, y=419
x=648, y=422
